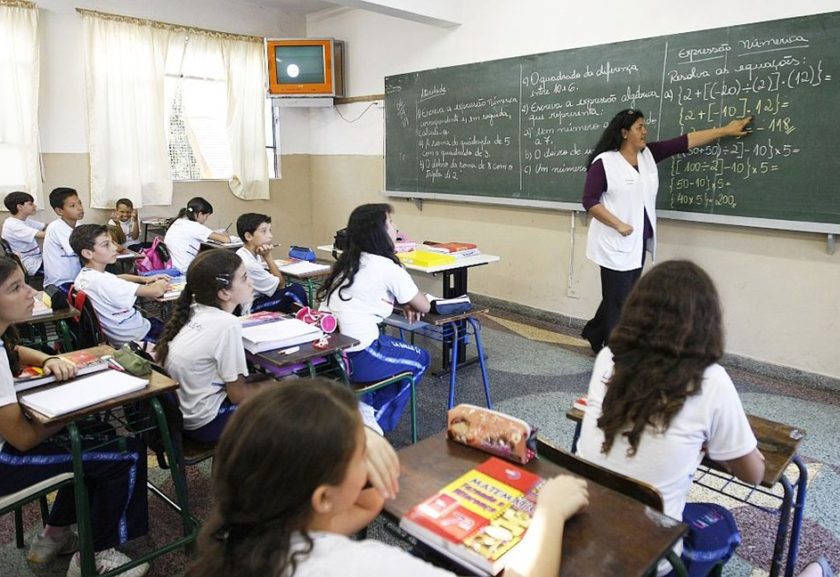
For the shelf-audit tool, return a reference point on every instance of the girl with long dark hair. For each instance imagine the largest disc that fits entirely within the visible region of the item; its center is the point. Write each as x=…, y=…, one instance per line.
x=365, y=282
x=658, y=402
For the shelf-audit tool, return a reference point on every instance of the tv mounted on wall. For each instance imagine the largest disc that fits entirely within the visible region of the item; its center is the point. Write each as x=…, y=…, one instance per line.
x=305, y=67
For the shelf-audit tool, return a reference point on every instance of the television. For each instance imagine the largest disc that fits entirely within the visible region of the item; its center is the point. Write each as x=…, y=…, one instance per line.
x=305, y=67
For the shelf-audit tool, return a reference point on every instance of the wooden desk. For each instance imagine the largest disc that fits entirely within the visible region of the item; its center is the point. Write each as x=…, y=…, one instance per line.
x=310, y=280
x=454, y=273
x=158, y=385
x=616, y=535
x=779, y=443
x=59, y=318
x=277, y=359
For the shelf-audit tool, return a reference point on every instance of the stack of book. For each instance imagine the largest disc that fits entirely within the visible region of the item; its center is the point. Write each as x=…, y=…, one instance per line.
x=43, y=304
x=479, y=518
x=85, y=362
x=456, y=249
x=262, y=336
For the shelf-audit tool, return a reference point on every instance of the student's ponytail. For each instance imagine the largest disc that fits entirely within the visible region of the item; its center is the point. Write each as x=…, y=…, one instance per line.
x=180, y=317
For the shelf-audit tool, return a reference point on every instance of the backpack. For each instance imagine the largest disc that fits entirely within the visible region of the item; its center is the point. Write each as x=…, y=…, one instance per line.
x=156, y=257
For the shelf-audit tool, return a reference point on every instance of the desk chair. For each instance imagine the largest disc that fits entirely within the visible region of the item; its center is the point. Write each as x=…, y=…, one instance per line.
x=39, y=491
x=86, y=329
x=637, y=490
x=406, y=376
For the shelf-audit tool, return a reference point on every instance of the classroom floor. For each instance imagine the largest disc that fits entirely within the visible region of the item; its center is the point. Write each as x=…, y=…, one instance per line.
x=536, y=370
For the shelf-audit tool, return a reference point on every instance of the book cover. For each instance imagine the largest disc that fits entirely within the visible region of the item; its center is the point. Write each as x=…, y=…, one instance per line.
x=43, y=304
x=480, y=517
x=262, y=317
x=449, y=247
x=86, y=363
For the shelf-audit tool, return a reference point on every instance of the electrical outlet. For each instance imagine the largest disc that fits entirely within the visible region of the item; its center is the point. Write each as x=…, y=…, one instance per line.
x=572, y=293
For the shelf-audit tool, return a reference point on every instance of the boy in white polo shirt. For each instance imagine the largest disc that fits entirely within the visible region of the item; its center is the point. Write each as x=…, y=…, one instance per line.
x=113, y=296
x=20, y=230
x=271, y=293
x=61, y=264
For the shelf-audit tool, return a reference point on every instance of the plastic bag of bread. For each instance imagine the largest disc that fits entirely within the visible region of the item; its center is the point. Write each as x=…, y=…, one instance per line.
x=494, y=432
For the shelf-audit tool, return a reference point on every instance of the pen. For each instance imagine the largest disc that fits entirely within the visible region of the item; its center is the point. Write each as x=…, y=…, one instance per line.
x=228, y=226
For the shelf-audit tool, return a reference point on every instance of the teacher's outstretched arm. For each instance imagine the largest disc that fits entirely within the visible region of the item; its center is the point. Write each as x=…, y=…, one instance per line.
x=737, y=127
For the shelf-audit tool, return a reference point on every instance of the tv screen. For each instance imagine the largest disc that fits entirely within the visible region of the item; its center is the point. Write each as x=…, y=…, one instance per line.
x=304, y=67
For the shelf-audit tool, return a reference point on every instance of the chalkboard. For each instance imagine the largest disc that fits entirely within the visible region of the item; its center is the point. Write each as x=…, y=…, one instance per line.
x=519, y=130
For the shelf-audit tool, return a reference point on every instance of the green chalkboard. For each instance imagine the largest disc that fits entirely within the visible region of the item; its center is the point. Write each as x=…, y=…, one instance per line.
x=518, y=130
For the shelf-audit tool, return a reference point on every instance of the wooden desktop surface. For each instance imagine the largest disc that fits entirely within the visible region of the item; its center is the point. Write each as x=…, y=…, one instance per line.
x=158, y=384
x=338, y=342
x=56, y=315
x=616, y=535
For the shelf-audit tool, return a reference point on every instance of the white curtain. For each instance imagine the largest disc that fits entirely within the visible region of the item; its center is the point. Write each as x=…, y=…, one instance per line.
x=246, y=70
x=125, y=65
x=20, y=167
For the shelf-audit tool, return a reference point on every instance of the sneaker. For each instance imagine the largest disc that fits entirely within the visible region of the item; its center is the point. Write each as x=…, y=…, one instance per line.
x=106, y=561
x=45, y=549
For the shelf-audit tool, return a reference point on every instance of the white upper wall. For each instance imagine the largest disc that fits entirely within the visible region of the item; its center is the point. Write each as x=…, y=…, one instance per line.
x=62, y=114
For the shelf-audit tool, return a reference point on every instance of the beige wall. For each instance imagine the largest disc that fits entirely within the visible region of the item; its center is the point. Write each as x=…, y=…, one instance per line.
x=289, y=206
x=780, y=290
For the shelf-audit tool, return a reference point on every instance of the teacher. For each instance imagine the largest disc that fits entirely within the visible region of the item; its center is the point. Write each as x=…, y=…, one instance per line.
x=620, y=194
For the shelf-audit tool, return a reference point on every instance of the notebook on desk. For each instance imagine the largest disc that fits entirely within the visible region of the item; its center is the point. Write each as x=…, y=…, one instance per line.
x=300, y=267
x=278, y=335
x=80, y=393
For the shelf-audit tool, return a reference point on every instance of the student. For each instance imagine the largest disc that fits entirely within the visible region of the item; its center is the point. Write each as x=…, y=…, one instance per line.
x=125, y=226
x=187, y=232
x=113, y=297
x=271, y=293
x=61, y=264
x=289, y=488
x=116, y=479
x=20, y=230
x=658, y=401
x=361, y=290
x=201, y=346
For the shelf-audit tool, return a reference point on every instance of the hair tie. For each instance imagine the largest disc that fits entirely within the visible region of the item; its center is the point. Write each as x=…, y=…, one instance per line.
x=190, y=209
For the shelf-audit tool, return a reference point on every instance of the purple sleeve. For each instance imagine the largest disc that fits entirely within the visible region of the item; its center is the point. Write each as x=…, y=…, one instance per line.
x=668, y=148
x=595, y=185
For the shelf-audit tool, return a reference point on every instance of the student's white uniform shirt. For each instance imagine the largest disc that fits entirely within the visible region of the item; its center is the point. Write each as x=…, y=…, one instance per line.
x=126, y=228
x=113, y=300
x=61, y=264
x=20, y=234
x=261, y=279
x=338, y=556
x=183, y=239
x=7, y=385
x=378, y=284
x=630, y=193
x=713, y=418
x=205, y=354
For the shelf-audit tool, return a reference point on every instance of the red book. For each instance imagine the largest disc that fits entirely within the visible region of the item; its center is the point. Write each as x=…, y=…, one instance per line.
x=480, y=517
x=450, y=247
x=85, y=362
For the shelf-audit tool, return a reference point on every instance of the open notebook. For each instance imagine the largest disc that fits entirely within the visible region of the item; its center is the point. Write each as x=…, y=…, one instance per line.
x=80, y=393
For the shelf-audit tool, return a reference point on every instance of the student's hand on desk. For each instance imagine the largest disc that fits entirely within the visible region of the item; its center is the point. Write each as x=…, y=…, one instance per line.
x=383, y=465
x=158, y=277
x=60, y=368
x=563, y=495
x=412, y=314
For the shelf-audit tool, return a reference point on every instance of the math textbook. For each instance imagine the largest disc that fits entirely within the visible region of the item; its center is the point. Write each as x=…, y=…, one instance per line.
x=85, y=362
x=480, y=517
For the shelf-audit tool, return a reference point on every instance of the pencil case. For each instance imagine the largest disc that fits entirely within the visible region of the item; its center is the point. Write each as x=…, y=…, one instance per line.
x=302, y=253
x=492, y=432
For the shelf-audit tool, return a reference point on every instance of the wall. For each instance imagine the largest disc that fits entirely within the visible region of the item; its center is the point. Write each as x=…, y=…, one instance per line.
x=63, y=114
x=780, y=289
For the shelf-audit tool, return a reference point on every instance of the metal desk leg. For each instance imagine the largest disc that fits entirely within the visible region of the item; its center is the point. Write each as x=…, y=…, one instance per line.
x=453, y=365
x=455, y=285
x=478, y=345
x=798, y=511
x=83, y=524
x=781, y=532
x=576, y=436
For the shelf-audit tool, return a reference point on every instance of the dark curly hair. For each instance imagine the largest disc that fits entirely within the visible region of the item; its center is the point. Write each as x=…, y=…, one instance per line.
x=670, y=332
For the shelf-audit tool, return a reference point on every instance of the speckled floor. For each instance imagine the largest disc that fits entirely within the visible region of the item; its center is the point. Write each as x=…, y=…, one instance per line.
x=537, y=368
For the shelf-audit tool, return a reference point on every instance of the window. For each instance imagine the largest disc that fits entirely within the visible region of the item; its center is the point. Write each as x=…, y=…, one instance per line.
x=197, y=133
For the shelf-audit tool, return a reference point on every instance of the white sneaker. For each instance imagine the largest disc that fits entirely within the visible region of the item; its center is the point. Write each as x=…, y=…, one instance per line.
x=45, y=549
x=106, y=561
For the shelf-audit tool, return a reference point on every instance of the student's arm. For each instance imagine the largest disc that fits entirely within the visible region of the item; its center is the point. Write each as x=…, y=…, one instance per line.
x=265, y=252
x=416, y=306
x=364, y=510
x=241, y=389
x=749, y=468
x=219, y=236
x=19, y=431
x=539, y=553
x=153, y=289
x=135, y=224
x=737, y=127
x=52, y=365
x=40, y=234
